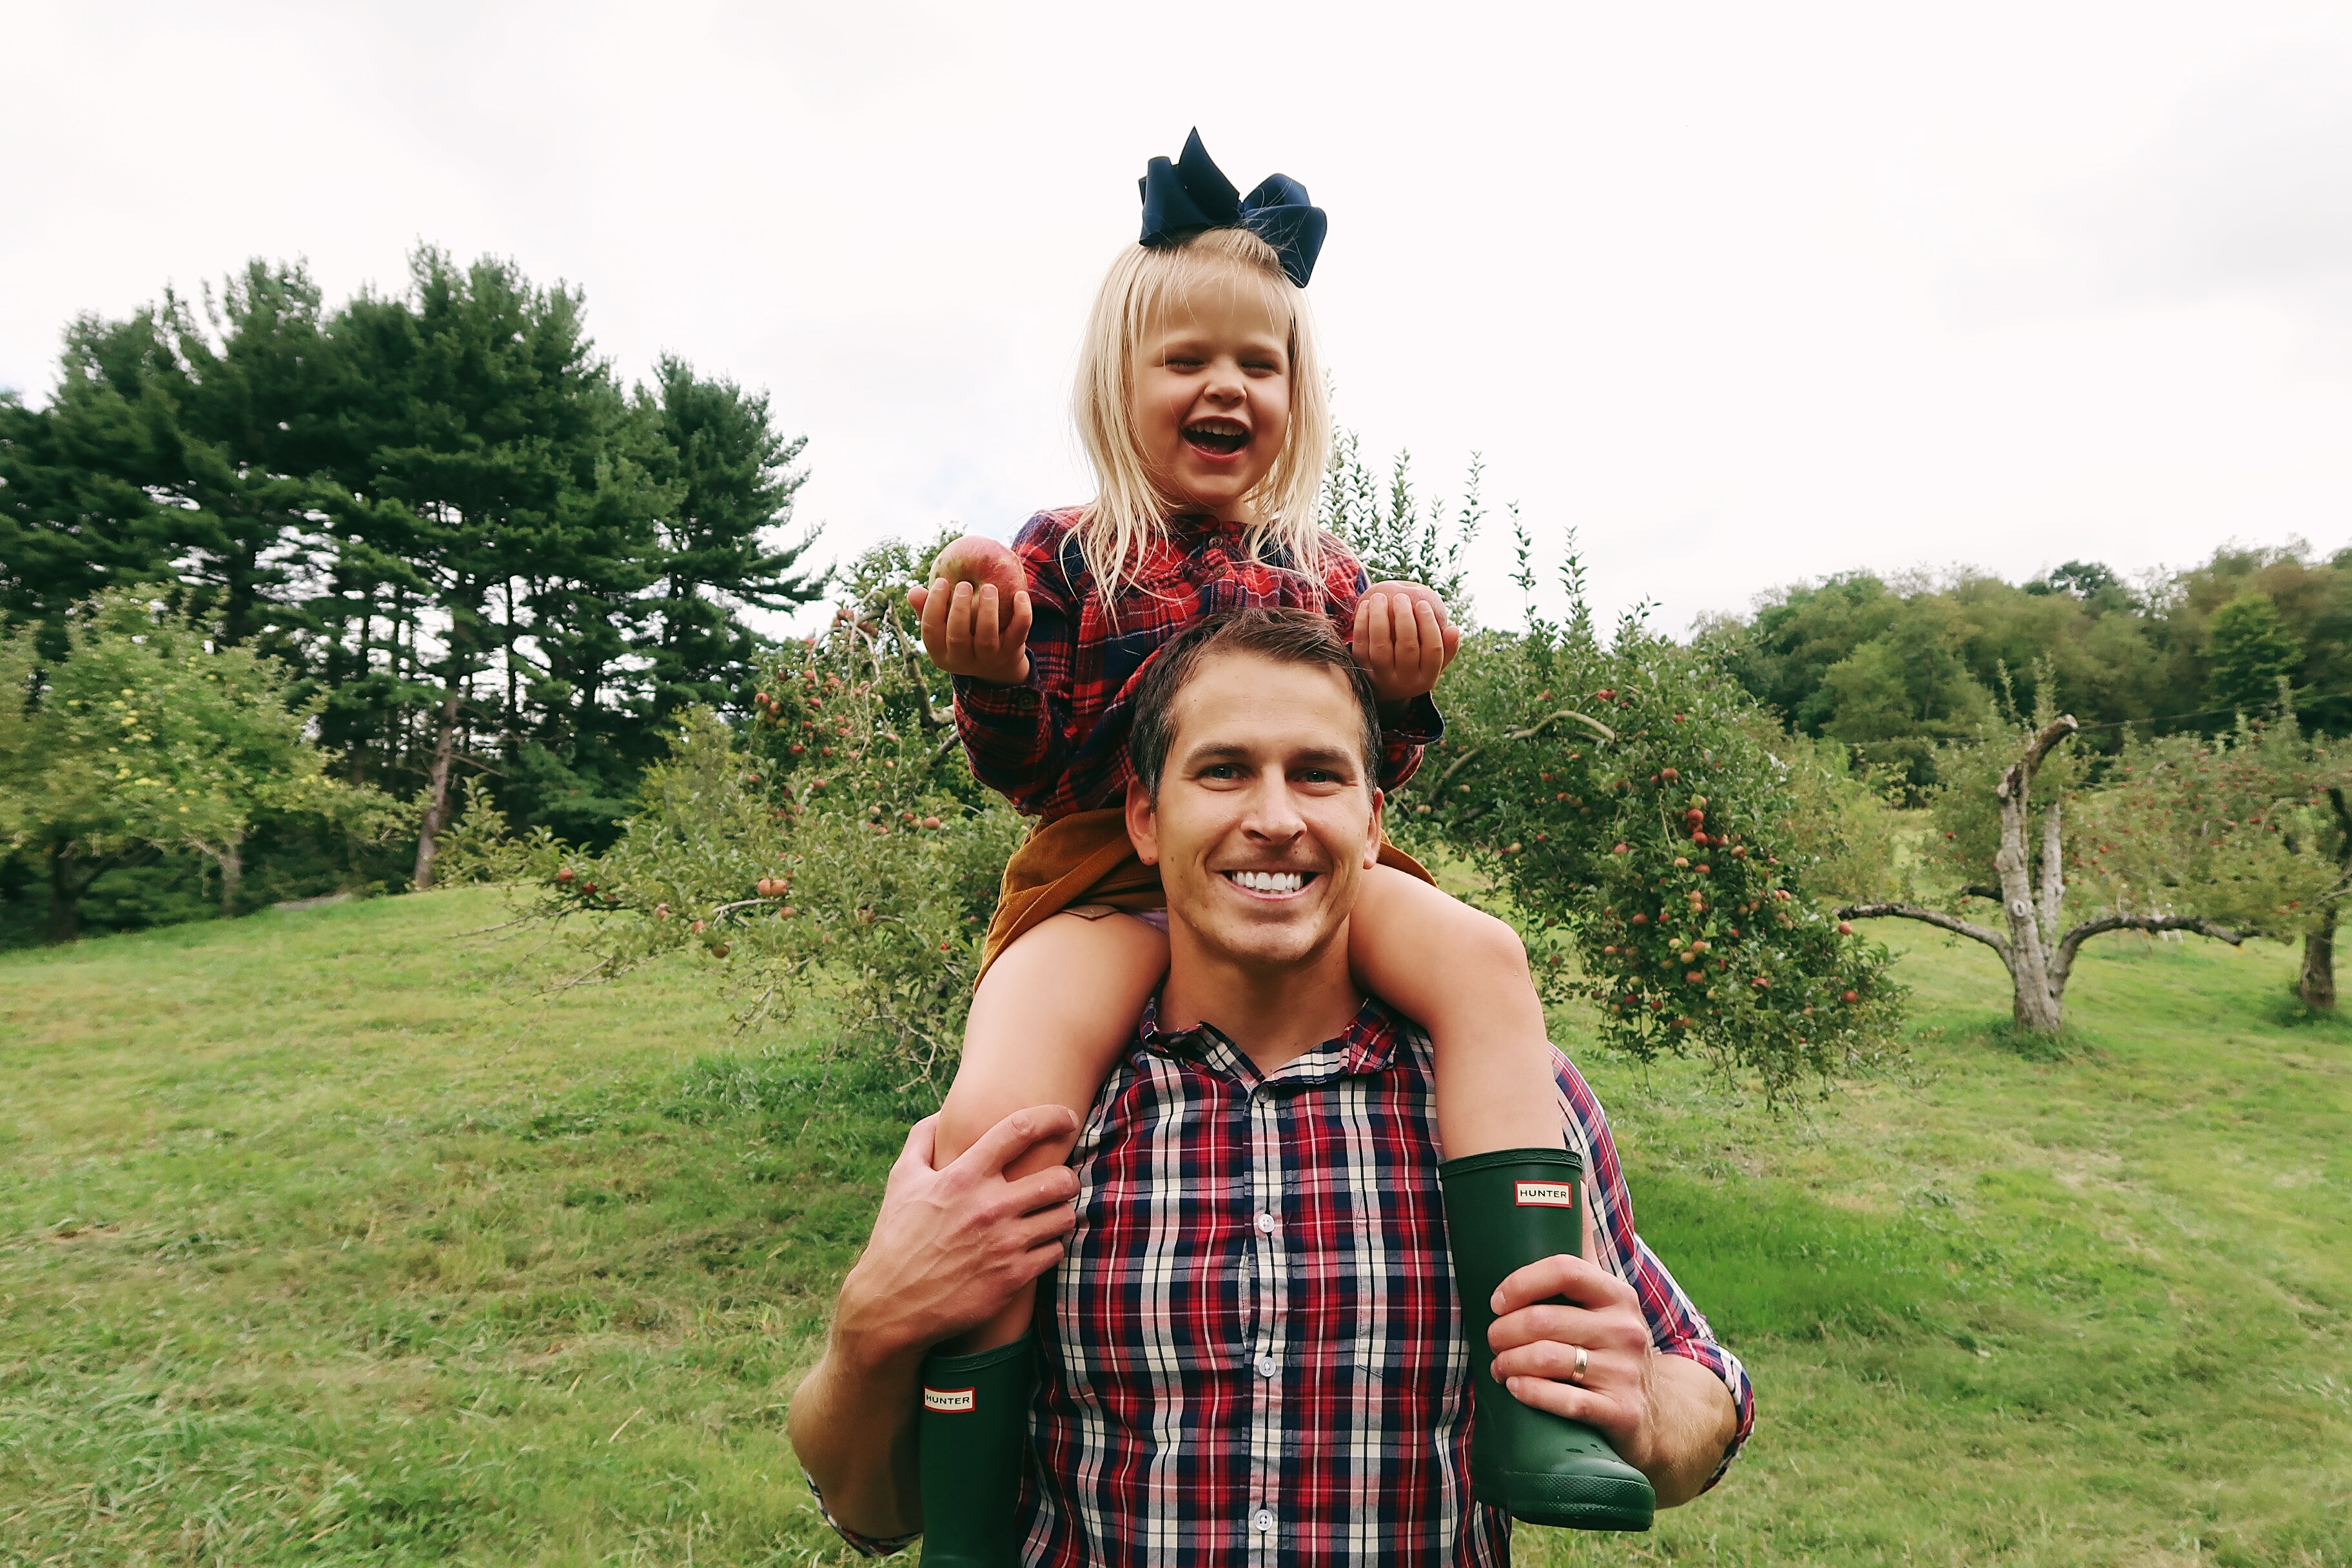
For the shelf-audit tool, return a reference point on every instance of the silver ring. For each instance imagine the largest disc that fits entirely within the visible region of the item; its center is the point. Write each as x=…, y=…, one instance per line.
x=1583, y=1361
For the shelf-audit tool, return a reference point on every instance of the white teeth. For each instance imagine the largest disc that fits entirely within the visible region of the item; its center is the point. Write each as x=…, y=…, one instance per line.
x=1270, y=881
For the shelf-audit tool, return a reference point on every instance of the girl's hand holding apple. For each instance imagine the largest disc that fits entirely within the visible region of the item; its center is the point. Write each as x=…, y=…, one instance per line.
x=975, y=613
x=1404, y=639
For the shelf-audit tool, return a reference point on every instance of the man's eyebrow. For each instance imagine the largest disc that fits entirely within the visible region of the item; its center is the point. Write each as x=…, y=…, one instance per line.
x=1208, y=752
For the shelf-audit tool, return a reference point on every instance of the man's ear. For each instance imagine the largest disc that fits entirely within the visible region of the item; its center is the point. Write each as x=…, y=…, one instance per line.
x=1143, y=823
x=1373, y=839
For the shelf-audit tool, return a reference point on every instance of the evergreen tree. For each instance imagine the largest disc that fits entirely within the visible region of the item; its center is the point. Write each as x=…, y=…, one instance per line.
x=76, y=512
x=439, y=505
x=732, y=479
x=491, y=473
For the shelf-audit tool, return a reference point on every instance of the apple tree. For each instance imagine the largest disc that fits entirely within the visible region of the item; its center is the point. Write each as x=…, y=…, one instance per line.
x=2222, y=836
x=1638, y=812
x=835, y=844
x=151, y=736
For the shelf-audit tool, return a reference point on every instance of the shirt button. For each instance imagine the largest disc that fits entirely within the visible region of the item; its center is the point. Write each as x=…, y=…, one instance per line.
x=1265, y=1224
x=1262, y=1521
x=1265, y=1366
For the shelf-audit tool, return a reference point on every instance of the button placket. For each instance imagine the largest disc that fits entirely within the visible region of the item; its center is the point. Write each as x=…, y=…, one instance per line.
x=1272, y=1303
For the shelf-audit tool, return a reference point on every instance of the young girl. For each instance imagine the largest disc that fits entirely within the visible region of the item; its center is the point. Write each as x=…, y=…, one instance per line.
x=1202, y=404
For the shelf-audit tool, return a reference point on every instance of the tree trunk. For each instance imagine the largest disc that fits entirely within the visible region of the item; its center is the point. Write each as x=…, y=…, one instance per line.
x=232, y=870
x=437, y=787
x=2318, y=987
x=2317, y=984
x=2038, y=984
x=65, y=898
x=2038, y=958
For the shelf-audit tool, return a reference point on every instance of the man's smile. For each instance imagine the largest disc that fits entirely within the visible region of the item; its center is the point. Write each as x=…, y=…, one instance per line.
x=1270, y=884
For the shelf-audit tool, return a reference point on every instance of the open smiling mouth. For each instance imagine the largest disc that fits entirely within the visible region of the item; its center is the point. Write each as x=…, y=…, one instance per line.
x=1270, y=884
x=1220, y=437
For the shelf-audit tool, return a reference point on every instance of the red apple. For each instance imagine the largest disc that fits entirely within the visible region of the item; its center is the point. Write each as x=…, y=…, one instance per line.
x=1413, y=593
x=981, y=561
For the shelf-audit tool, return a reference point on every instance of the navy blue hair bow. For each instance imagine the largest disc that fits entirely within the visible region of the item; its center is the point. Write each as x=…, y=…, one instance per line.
x=1182, y=198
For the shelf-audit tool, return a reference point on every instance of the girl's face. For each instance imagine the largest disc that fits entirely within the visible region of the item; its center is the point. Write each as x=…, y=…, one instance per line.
x=1211, y=406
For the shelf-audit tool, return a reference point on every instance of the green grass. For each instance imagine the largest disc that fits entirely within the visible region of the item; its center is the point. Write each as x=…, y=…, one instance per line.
x=329, y=1238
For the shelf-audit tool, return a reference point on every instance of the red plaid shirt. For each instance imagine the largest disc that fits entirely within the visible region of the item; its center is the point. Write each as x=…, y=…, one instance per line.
x=1253, y=1354
x=1057, y=742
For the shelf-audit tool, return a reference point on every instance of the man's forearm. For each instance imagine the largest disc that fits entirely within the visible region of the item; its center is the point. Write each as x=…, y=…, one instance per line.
x=1693, y=1420
x=949, y=1248
x=852, y=1427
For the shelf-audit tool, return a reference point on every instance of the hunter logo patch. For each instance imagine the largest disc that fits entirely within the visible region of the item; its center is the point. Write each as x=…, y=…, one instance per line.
x=952, y=1401
x=1548, y=1194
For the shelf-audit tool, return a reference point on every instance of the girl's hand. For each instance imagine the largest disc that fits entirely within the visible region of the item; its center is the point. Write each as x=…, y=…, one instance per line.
x=966, y=634
x=1403, y=640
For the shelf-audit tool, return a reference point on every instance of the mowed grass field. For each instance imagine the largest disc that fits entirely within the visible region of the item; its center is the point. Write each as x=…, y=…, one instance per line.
x=335, y=1236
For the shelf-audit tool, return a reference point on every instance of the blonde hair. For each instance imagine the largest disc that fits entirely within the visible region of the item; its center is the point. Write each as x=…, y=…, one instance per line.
x=1130, y=509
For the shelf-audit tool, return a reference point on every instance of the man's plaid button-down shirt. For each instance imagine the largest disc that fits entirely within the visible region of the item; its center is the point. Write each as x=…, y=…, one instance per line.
x=1253, y=1354
x=1057, y=742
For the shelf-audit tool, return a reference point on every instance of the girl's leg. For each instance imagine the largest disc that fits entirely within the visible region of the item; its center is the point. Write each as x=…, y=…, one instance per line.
x=1463, y=976
x=1050, y=1020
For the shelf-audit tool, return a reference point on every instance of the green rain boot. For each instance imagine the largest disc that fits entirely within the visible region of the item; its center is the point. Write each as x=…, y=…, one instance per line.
x=974, y=1437
x=1502, y=1211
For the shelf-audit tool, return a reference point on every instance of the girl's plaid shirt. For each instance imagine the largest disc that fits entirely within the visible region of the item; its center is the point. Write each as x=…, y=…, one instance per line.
x=1254, y=1354
x=1057, y=742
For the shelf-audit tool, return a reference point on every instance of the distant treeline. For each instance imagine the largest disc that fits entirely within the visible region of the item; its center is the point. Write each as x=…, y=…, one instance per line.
x=1894, y=667
x=441, y=508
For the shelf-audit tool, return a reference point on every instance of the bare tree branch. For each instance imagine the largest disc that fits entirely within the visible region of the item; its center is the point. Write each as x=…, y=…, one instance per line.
x=1970, y=929
x=2052, y=892
x=930, y=717
x=2021, y=773
x=1982, y=890
x=2072, y=941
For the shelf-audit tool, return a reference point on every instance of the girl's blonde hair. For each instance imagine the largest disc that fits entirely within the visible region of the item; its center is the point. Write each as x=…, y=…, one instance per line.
x=1130, y=509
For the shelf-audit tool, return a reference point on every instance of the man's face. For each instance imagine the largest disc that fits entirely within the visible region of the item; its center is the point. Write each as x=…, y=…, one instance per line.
x=1266, y=822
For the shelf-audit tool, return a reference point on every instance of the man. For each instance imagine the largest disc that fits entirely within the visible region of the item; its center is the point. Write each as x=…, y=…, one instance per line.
x=1252, y=1352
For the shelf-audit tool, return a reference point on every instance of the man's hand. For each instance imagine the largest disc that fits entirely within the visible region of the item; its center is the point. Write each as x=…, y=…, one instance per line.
x=950, y=1247
x=1404, y=640
x=965, y=634
x=1666, y=1415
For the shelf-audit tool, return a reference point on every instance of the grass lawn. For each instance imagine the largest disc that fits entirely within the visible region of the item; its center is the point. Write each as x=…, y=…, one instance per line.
x=326, y=1236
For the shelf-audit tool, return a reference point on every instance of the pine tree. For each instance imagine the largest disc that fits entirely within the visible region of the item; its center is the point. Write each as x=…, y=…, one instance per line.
x=733, y=481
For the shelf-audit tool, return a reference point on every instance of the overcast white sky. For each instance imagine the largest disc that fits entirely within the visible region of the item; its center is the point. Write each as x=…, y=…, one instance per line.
x=1745, y=294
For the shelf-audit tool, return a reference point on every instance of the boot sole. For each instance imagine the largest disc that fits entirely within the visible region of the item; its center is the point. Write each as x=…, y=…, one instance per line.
x=1574, y=1502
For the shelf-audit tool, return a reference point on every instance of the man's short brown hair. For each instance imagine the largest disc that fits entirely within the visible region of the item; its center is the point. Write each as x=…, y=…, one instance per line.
x=1286, y=636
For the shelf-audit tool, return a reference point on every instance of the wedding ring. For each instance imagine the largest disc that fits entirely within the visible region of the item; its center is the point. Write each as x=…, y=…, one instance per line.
x=1583, y=1361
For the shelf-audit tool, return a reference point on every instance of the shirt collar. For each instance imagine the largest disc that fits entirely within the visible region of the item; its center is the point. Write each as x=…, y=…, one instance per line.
x=1186, y=525
x=1368, y=1045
